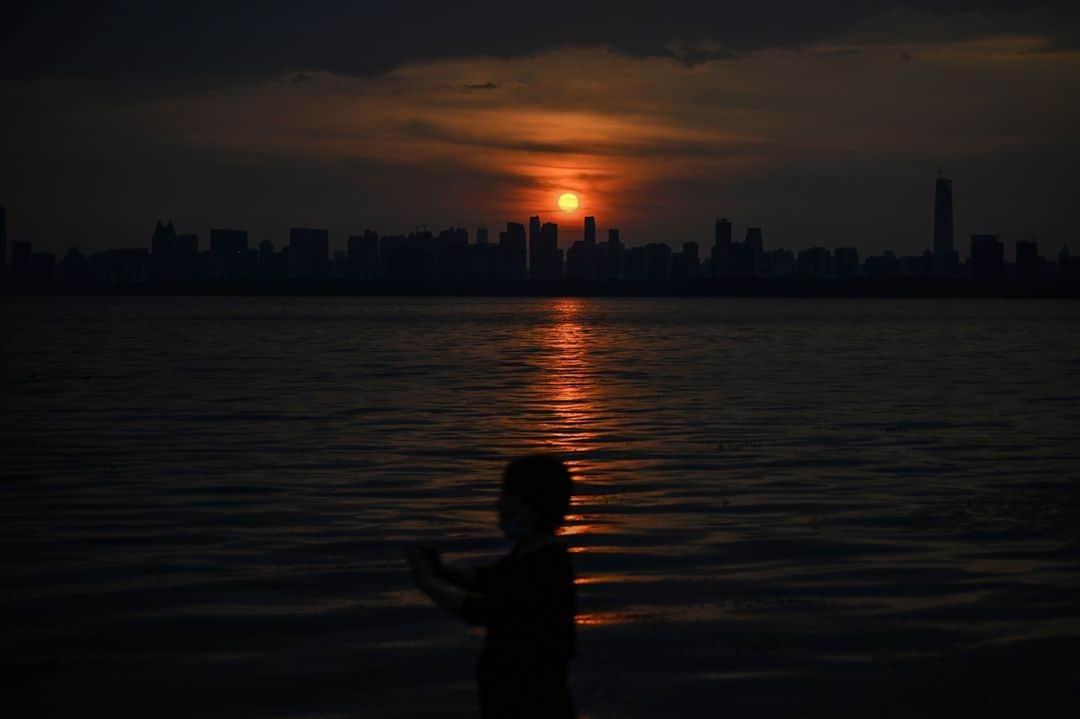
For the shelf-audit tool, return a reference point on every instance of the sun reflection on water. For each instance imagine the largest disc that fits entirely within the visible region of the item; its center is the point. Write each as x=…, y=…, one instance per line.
x=568, y=386
x=570, y=398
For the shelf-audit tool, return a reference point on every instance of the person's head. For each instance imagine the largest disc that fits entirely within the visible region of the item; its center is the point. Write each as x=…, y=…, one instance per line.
x=535, y=496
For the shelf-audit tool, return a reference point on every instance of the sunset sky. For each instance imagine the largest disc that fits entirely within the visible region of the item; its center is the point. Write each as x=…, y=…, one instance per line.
x=824, y=123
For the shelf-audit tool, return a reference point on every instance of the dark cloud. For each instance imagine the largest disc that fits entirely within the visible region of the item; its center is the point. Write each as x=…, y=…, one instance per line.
x=199, y=39
x=481, y=86
x=645, y=148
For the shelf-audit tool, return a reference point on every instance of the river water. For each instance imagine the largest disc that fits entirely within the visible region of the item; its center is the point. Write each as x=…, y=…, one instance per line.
x=778, y=503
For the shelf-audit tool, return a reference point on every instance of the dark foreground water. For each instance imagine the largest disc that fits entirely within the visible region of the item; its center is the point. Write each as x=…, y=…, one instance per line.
x=784, y=507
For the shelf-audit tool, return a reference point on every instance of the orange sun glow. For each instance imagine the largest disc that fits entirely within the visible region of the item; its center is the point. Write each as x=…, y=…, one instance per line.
x=568, y=202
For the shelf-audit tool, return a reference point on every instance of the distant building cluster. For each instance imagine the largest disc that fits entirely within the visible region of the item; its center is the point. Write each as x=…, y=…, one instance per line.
x=520, y=254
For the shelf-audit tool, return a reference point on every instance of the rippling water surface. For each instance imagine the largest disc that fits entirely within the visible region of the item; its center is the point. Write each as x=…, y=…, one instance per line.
x=207, y=501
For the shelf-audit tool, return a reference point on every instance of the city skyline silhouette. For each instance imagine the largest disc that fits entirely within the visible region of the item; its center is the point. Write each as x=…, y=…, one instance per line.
x=447, y=261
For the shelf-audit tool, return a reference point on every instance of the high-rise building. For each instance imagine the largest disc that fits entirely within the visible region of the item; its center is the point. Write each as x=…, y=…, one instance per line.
x=657, y=261
x=534, y=228
x=723, y=233
x=721, y=251
x=185, y=250
x=513, y=256
x=20, y=259
x=549, y=234
x=535, y=251
x=228, y=253
x=778, y=263
x=846, y=262
x=815, y=262
x=883, y=265
x=163, y=252
x=1028, y=262
x=987, y=256
x=546, y=259
x=685, y=264
x=309, y=253
x=339, y=265
x=579, y=261
x=691, y=253
x=590, y=230
x=363, y=257
x=452, y=254
x=744, y=259
x=943, y=217
x=74, y=269
x=408, y=257
x=42, y=268
x=610, y=264
x=755, y=240
x=481, y=235
x=945, y=259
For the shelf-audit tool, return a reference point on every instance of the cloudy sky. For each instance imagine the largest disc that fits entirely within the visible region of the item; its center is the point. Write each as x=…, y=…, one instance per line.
x=824, y=123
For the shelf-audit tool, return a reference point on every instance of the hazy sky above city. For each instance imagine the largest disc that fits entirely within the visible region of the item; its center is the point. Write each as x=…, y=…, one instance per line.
x=824, y=123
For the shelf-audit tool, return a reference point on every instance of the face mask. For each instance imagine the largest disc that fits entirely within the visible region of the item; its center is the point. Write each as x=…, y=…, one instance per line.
x=513, y=529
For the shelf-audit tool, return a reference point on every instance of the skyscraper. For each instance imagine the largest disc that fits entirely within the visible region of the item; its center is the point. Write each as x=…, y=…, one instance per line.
x=535, y=251
x=686, y=264
x=610, y=257
x=546, y=260
x=721, y=251
x=590, y=230
x=755, y=240
x=943, y=217
x=846, y=262
x=1028, y=262
x=185, y=251
x=363, y=256
x=163, y=252
x=723, y=232
x=228, y=252
x=20, y=259
x=987, y=256
x=513, y=263
x=309, y=252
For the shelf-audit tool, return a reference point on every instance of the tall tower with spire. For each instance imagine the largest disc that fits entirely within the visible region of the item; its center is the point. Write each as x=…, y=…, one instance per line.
x=946, y=259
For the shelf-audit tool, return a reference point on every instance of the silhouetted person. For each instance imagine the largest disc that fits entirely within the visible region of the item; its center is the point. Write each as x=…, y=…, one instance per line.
x=525, y=600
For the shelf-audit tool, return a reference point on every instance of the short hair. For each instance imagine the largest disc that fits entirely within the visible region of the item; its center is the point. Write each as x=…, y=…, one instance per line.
x=543, y=482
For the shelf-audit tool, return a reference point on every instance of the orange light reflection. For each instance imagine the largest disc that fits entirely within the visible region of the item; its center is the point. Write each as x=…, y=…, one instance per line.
x=570, y=390
x=601, y=618
x=571, y=395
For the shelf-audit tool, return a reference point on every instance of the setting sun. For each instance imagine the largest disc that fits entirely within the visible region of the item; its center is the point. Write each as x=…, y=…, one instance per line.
x=568, y=202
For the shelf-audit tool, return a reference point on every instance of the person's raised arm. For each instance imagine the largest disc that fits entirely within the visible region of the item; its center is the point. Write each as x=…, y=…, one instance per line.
x=463, y=577
x=444, y=594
